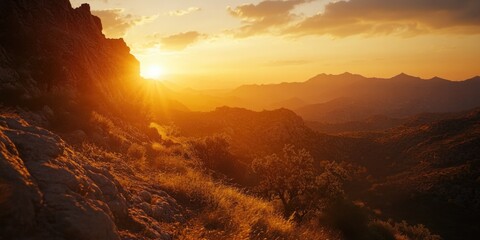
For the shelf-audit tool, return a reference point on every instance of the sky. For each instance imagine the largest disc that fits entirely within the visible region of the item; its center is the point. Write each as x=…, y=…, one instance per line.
x=213, y=44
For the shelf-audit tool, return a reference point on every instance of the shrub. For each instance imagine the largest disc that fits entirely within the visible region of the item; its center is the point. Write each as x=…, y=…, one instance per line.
x=293, y=179
x=416, y=232
x=214, y=152
x=137, y=152
x=92, y=151
x=113, y=137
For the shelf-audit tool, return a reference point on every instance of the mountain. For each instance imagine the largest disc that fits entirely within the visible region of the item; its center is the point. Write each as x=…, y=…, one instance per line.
x=349, y=97
x=398, y=97
x=318, y=89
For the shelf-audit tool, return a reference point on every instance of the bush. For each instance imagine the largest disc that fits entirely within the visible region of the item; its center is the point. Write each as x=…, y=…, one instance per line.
x=416, y=232
x=214, y=152
x=137, y=152
x=112, y=136
x=356, y=222
x=293, y=179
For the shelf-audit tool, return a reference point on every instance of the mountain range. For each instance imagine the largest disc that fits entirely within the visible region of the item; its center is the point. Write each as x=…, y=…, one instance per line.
x=333, y=99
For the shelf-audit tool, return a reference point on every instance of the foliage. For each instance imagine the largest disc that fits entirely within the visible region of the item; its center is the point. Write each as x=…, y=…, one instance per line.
x=137, y=152
x=301, y=187
x=416, y=232
x=228, y=212
x=214, y=152
x=355, y=221
x=112, y=136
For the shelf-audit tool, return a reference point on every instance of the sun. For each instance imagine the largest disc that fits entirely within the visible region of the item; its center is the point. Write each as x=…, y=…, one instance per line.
x=153, y=72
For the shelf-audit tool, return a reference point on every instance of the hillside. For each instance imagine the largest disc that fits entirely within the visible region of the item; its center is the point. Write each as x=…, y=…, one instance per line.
x=420, y=167
x=78, y=159
x=253, y=134
x=433, y=173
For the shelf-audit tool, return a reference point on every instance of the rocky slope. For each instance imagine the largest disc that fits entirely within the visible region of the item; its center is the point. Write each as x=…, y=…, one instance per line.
x=49, y=190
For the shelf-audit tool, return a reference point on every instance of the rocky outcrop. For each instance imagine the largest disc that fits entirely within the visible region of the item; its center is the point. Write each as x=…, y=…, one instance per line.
x=50, y=52
x=47, y=192
x=50, y=191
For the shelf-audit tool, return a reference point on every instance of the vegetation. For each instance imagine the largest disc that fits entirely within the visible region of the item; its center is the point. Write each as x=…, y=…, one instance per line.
x=301, y=187
x=224, y=212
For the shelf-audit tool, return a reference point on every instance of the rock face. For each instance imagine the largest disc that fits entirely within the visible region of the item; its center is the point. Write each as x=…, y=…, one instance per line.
x=50, y=51
x=46, y=190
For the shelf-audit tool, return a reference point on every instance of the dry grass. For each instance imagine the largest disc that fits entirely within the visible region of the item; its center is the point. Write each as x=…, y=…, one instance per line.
x=228, y=212
x=218, y=211
x=92, y=151
x=116, y=137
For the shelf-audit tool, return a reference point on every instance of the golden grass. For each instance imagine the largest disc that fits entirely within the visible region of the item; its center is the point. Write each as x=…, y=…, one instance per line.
x=218, y=211
x=230, y=213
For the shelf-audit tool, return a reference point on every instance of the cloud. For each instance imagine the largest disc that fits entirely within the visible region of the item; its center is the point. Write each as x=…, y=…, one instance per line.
x=180, y=41
x=398, y=17
x=183, y=12
x=265, y=16
x=116, y=23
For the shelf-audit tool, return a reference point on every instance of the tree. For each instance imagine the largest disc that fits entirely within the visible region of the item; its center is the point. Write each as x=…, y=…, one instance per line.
x=214, y=152
x=293, y=179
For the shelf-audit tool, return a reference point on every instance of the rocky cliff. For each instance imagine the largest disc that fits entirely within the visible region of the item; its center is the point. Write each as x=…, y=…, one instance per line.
x=56, y=67
x=52, y=54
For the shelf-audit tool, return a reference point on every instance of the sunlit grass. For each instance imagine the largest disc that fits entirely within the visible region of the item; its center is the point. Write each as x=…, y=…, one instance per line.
x=228, y=212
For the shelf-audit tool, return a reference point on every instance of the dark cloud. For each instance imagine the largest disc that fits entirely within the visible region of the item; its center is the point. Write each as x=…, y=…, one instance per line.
x=180, y=41
x=405, y=17
x=264, y=16
x=116, y=23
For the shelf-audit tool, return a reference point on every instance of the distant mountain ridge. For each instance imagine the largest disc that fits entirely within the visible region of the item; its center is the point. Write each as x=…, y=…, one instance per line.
x=351, y=97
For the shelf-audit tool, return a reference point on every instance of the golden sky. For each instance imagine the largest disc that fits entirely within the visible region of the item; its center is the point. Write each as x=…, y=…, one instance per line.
x=210, y=44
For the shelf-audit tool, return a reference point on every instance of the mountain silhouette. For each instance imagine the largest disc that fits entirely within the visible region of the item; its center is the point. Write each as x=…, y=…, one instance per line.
x=349, y=97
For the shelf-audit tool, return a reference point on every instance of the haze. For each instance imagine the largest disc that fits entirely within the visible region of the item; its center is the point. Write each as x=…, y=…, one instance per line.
x=224, y=44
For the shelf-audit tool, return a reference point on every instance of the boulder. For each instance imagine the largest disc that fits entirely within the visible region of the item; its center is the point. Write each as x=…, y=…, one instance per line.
x=46, y=190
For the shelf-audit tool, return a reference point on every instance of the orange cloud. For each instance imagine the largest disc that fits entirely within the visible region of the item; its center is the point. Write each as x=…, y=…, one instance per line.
x=116, y=23
x=180, y=41
x=265, y=16
x=402, y=17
